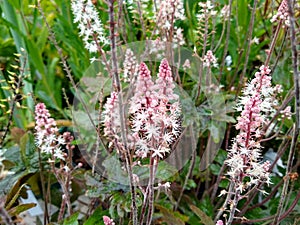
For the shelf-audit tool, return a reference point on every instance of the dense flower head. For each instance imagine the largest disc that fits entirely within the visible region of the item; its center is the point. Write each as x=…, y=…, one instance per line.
x=186, y=65
x=89, y=24
x=164, y=82
x=178, y=38
x=44, y=123
x=206, y=9
x=169, y=11
x=282, y=14
x=108, y=221
x=111, y=115
x=156, y=120
x=68, y=137
x=144, y=92
x=219, y=222
x=47, y=138
x=225, y=12
x=286, y=113
x=210, y=60
x=130, y=65
x=256, y=106
x=154, y=113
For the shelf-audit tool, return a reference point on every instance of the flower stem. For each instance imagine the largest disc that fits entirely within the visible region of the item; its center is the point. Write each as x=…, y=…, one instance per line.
x=117, y=86
x=233, y=207
x=273, y=44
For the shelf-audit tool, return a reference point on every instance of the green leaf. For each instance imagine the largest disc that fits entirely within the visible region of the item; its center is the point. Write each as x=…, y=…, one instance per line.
x=191, y=184
x=215, y=132
x=72, y=220
x=243, y=13
x=221, y=156
x=170, y=217
x=204, y=218
x=15, y=190
x=14, y=195
x=224, y=184
x=96, y=217
x=215, y=169
x=35, y=56
x=206, y=206
x=15, y=3
x=27, y=150
x=165, y=171
x=20, y=208
x=46, y=98
x=114, y=171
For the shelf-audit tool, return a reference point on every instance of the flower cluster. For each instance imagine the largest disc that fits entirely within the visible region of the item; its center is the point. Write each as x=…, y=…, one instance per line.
x=112, y=119
x=130, y=66
x=210, y=60
x=286, y=113
x=178, y=38
x=225, y=12
x=154, y=112
x=219, y=222
x=282, y=14
x=206, y=10
x=256, y=105
x=155, y=122
x=89, y=24
x=170, y=10
x=157, y=48
x=46, y=133
x=186, y=65
x=68, y=137
x=108, y=221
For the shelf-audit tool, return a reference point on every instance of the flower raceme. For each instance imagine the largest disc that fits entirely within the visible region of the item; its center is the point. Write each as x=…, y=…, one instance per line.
x=170, y=10
x=89, y=24
x=108, y=221
x=256, y=106
x=210, y=60
x=282, y=14
x=154, y=113
x=46, y=135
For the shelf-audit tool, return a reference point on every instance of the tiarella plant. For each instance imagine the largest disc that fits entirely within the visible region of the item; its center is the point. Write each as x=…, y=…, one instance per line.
x=246, y=169
x=51, y=143
x=154, y=118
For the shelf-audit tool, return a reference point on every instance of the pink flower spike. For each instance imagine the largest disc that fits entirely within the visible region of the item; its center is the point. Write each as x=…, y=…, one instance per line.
x=108, y=221
x=43, y=122
x=144, y=93
x=165, y=70
x=219, y=222
x=210, y=60
x=256, y=106
x=46, y=136
x=282, y=14
x=130, y=66
x=164, y=82
x=144, y=71
x=111, y=115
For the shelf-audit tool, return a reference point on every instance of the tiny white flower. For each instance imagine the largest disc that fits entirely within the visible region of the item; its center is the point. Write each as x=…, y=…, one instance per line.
x=152, y=131
x=168, y=138
x=255, y=40
x=90, y=26
x=160, y=152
